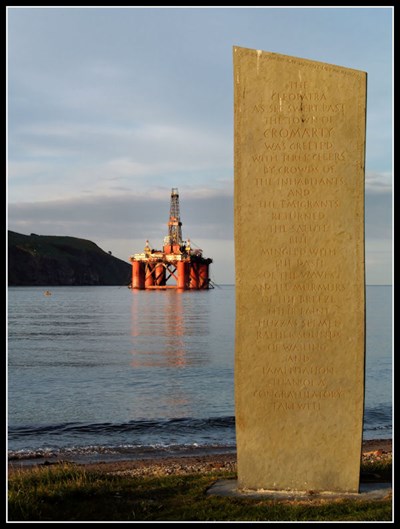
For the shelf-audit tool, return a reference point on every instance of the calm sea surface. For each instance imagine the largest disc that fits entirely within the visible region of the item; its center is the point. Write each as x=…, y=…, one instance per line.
x=98, y=373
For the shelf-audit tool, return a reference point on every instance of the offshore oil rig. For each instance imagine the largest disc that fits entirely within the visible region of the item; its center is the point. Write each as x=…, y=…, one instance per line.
x=177, y=261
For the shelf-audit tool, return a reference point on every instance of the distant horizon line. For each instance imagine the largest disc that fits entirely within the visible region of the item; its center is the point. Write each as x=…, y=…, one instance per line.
x=216, y=284
x=367, y=284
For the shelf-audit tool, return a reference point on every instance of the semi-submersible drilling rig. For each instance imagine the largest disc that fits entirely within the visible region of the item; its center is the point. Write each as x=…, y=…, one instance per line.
x=152, y=269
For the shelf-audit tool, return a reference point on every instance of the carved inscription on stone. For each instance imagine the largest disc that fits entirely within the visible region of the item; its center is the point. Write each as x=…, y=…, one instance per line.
x=299, y=243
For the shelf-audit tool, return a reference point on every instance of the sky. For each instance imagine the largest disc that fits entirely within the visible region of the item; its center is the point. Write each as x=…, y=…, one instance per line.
x=109, y=108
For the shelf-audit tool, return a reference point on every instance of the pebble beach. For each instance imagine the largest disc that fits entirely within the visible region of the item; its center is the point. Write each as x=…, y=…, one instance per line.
x=373, y=451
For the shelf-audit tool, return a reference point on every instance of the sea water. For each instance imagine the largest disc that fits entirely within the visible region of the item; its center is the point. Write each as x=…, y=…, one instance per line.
x=99, y=373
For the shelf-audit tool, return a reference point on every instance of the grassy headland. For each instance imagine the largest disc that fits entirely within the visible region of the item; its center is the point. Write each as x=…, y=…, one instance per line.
x=47, y=260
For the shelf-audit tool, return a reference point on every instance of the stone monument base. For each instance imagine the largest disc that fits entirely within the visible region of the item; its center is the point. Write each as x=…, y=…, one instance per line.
x=368, y=491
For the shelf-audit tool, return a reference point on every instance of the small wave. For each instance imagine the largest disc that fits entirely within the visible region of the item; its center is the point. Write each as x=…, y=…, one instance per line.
x=378, y=421
x=93, y=452
x=378, y=415
x=148, y=426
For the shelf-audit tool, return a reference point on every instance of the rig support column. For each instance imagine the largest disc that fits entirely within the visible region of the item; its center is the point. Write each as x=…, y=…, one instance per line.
x=203, y=275
x=194, y=275
x=181, y=268
x=137, y=275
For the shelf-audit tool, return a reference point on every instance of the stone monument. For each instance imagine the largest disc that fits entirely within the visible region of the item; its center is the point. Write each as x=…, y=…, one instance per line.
x=300, y=286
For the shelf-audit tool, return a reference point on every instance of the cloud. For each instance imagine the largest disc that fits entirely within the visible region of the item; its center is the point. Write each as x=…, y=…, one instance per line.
x=205, y=213
x=378, y=216
x=76, y=157
x=378, y=182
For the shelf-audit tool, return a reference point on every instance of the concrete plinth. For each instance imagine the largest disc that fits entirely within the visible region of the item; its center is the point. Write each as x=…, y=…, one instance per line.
x=368, y=491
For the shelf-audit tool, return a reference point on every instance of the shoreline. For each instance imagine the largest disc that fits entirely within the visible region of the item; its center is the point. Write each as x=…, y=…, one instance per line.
x=372, y=451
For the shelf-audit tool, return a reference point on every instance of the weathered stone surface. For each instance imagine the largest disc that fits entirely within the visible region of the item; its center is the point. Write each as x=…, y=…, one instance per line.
x=299, y=249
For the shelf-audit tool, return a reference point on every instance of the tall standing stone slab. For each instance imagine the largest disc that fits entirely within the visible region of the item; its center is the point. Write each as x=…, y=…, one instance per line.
x=299, y=250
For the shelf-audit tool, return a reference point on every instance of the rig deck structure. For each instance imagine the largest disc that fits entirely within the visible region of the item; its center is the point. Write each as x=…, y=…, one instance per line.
x=153, y=269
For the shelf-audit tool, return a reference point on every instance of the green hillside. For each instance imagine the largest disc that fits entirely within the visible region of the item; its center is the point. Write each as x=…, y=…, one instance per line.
x=49, y=260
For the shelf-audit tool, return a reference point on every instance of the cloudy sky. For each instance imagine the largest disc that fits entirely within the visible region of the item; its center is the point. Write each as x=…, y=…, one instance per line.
x=109, y=108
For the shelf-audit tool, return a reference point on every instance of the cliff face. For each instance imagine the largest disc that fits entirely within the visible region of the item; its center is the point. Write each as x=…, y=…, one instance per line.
x=50, y=260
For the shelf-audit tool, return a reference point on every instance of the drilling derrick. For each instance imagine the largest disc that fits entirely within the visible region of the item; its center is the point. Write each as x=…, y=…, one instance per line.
x=177, y=261
x=175, y=224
